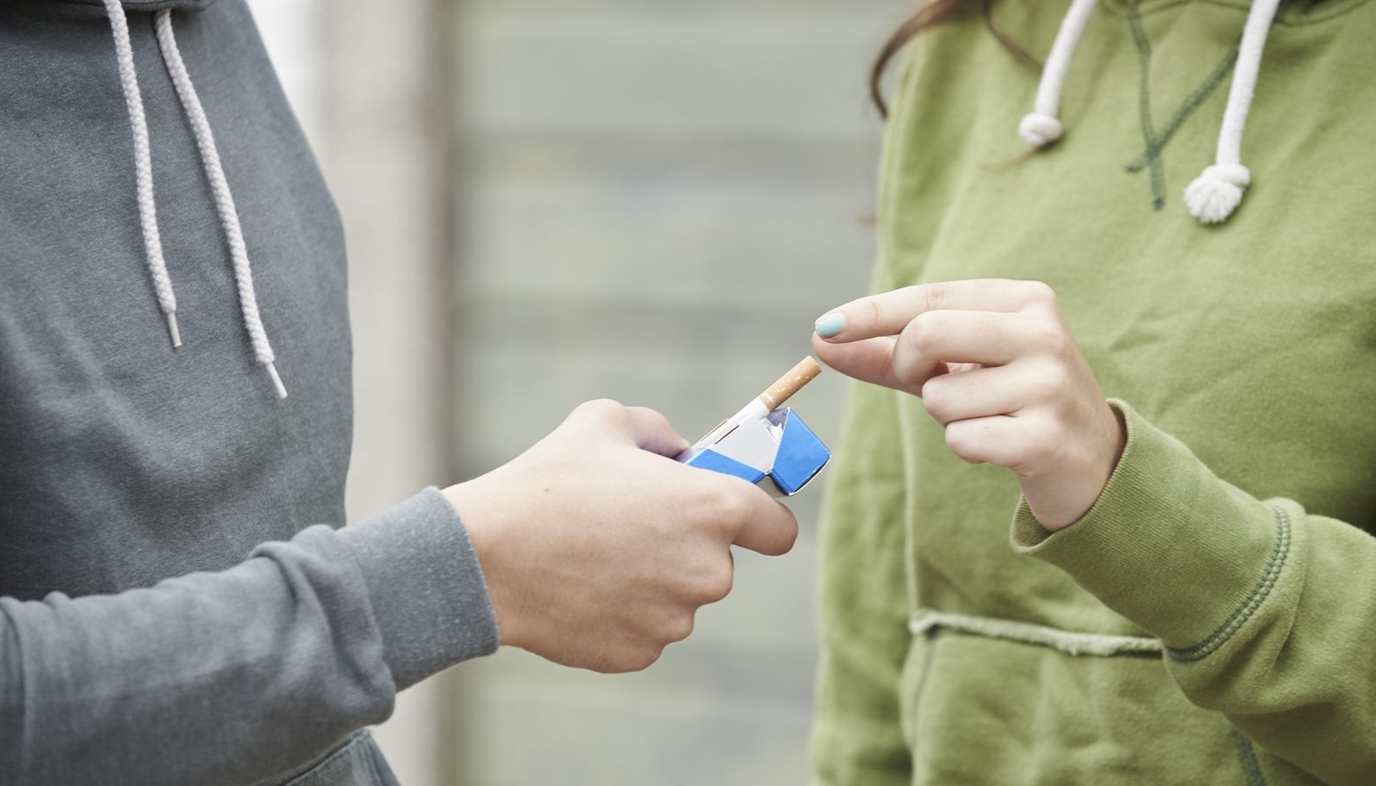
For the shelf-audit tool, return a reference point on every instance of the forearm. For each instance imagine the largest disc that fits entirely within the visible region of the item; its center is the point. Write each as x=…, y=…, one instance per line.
x=238, y=675
x=1265, y=610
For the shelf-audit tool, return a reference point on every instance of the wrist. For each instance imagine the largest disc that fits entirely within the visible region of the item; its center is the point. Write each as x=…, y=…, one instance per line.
x=420, y=549
x=480, y=510
x=1071, y=497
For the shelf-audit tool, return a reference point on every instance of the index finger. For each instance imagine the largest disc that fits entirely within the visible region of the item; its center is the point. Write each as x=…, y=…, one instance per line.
x=887, y=313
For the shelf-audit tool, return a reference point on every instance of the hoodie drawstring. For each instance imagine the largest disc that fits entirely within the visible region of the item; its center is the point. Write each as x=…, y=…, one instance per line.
x=1215, y=194
x=214, y=172
x=1041, y=127
x=224, y=200
x=143, y=163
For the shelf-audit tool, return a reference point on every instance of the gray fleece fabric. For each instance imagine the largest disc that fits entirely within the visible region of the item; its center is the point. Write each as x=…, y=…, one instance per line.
x=178, y=604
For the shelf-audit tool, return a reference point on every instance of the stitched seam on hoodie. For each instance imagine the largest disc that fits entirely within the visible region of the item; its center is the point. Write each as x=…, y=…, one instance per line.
x=314, y=768
x=1157, y=145
x=1139, y=37
x=927, y=622
x=1269, y=576
x=1247, y=757
x=921, y=687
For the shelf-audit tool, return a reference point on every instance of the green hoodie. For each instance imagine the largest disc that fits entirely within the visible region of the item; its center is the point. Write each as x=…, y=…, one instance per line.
x=1212, y=620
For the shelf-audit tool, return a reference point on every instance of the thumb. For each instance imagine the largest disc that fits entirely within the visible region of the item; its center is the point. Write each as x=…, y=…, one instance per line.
x=765, y=526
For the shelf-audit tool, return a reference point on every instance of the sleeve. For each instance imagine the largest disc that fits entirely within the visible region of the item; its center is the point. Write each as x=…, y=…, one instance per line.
x=232, y=677
x=856, y=735
x=1268, y=614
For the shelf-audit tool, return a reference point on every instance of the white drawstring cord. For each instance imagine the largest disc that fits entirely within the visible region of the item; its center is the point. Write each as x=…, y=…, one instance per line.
x=1214, y=195
x=143, y=164
x=1041, y=127
x=224, y=200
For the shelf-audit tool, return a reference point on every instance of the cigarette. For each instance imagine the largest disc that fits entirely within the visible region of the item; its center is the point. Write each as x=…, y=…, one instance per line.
x=771, y=399
x=792, y=382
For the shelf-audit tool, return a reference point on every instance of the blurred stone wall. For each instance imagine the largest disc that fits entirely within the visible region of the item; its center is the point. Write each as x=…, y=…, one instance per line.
x=550, y=202
x=367, y=82
x=654, y=201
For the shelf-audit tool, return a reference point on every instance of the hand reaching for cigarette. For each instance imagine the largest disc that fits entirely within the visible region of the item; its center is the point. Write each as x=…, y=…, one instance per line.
x=598, y=548
x=996, y=365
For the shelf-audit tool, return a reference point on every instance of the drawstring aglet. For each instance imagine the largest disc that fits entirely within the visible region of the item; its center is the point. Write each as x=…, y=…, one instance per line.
x=172, y=329
x=276, y=380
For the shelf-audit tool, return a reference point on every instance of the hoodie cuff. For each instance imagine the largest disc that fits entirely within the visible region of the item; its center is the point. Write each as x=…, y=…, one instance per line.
x=1181, y=553
x=427, y=589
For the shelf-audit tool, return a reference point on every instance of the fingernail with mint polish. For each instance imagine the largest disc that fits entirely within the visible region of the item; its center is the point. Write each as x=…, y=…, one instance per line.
x=828, y=325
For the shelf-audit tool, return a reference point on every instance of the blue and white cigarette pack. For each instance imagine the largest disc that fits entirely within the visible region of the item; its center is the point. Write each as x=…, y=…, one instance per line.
x=777, y=452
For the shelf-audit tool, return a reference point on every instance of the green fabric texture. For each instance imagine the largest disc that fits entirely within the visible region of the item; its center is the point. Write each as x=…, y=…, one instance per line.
x=1236, y=527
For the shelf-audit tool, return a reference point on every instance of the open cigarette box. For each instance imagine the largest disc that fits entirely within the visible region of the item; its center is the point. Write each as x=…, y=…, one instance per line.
x=777, y=452
x=766, y=443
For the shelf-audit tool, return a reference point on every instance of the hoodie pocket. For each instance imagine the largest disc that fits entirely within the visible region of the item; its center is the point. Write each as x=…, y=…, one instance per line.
x=984, y=710
x=357, y=762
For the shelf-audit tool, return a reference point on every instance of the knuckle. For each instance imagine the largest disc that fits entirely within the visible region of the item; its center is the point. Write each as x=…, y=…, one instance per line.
x=605, y=665
x=600, y=408
x=649, y=413
x=921, y=333
x=658, y=419
x=874, y=313
x=716, y=582
x=962, y=441
x=633, y=655
x=937, y=408
x=934, y=297
x=1047, y=335
x=679, y=627
x=906, y=367
x=936, y=398
x=1039, y=293
x=646, y=657
x=616, y=659
x=1048, y=384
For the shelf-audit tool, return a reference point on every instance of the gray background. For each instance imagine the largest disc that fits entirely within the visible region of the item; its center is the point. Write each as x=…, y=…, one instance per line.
x=550, y=202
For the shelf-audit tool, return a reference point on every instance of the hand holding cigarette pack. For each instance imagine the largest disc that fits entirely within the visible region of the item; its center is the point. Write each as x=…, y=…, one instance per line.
x=766, y=443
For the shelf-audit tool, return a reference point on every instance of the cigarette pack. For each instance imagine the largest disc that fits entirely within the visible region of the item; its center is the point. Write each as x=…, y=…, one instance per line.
x=776, y=451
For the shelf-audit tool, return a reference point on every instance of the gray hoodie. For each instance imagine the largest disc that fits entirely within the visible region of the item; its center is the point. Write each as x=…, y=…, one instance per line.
x=178, y=607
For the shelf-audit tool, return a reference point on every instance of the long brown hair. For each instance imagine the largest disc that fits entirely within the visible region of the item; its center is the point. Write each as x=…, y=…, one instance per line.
x=931, y=15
